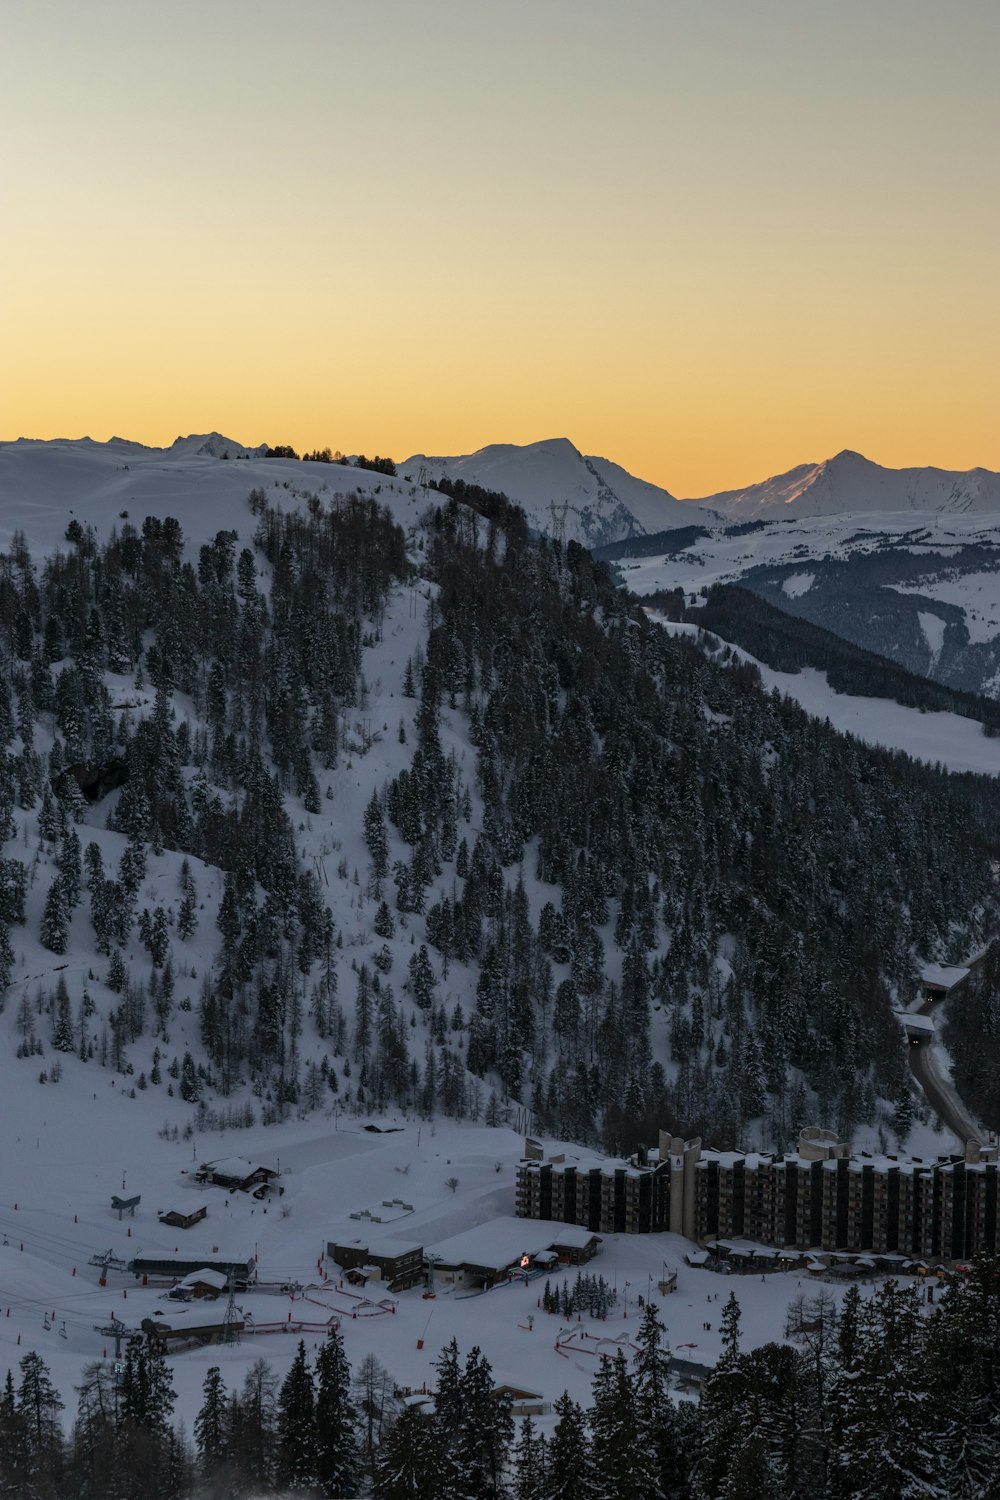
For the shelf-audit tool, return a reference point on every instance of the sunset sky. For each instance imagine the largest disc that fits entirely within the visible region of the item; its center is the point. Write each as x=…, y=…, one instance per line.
x=708, y=239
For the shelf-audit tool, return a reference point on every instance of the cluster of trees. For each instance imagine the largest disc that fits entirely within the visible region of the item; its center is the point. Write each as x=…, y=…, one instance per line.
x=654, y=544
x=877, y=1402
x=972, y=1034
x=269, y=676
x=589, y=1294
x=328, y=456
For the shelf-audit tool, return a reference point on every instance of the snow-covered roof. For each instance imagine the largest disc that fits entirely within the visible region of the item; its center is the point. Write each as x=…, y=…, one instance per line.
x=574, y=1238
x=752, y=1159
x=606, y=1164
x=235, y=1166
x=744, y=1249
x=495, y=1245
x=917, y=1023
x=207, y=1278
x=945, y=975
x=390, y=1248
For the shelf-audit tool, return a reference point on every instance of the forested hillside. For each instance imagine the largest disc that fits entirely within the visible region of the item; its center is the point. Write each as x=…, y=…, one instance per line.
x=788, y=642
x=650, y=895
x=929, y=610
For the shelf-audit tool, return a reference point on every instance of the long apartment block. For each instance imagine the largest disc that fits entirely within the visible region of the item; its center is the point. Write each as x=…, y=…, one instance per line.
x=819, y=1197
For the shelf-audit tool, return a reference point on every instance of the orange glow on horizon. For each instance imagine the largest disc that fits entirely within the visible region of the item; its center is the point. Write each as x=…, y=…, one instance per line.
x=708, y=243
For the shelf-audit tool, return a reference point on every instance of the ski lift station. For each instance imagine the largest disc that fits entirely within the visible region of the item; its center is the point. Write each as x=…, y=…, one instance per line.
x=163, y=1266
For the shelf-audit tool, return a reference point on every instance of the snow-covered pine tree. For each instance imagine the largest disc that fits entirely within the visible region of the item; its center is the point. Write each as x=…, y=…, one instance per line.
x=297, y=1458
x=338, y=1465
x=53, y=930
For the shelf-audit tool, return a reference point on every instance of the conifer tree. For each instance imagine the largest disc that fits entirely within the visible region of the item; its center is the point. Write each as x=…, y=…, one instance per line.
x=62, y=1028
x=422, y=980
x=376, y=839
x=16, y=1463
x=94, y=1456
x=210, y=1429
x=657, y=1427
x=253, y=1429
x=530, y=1463
x=624, y=1463
x=38, y=1407
x=54, y=928
x=569, y=1471
x=411, y=1461
x=337, y=1460
x=297, y=1457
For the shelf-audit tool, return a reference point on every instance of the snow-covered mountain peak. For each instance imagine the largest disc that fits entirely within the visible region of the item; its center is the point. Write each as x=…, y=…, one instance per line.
x=564, y=492
x=849, y=483
x=212, y=445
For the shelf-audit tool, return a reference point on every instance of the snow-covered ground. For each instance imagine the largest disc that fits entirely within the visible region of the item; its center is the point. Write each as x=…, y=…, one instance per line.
x=723, y=558
x=977, y=595
x=45, y=485
x=56, y=1212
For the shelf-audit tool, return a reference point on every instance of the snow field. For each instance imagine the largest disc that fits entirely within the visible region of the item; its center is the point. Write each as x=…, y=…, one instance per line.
x=62, y=1187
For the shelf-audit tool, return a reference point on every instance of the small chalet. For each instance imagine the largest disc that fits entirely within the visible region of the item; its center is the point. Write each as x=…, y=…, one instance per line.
x=176, y=1220
x=575, y=1246
x=237, y=1175
x=691, y=1368
x=204, y=1283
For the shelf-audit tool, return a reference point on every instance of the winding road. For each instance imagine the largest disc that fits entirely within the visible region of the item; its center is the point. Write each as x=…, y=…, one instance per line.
x=941, y=1095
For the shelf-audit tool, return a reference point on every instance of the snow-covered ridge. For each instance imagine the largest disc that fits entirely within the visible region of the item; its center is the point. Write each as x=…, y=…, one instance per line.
x=565, y=493
x=46, y=484
x=851, y=483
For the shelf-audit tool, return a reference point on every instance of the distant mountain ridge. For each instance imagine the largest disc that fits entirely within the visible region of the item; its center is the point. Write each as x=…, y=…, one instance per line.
x=591, y=500
x=195, y=445
x=849, y=483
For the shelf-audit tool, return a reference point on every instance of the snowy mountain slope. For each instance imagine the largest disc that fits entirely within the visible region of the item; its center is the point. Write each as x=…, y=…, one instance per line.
x=922, y=589
x=564, y=493
x=944, y=739
x=728, y=553
x=851, y=483
x=212, y=445
x=46, y=484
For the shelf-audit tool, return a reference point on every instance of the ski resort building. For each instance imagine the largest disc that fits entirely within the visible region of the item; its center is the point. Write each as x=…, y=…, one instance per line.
x=819, y=1198
x=236, y=1175
x=240, y=1271
x=400, y=1265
